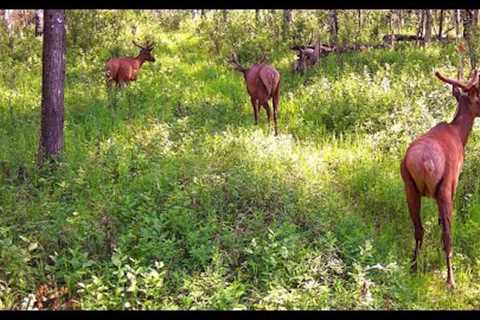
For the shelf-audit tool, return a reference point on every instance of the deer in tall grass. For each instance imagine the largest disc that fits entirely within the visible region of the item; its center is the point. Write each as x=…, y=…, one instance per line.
x=263, y=84
x=433, y=162
x=125, y=69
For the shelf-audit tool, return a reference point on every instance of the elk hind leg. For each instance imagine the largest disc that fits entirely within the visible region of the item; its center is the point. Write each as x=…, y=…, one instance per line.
x=445, y=209
x=255, y=109
x=269, y=113
x=414, y=202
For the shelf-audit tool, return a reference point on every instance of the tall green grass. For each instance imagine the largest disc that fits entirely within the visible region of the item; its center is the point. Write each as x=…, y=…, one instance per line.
x=169, y=197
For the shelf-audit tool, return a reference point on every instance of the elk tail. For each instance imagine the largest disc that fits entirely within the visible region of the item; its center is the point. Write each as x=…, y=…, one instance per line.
x=268, y=80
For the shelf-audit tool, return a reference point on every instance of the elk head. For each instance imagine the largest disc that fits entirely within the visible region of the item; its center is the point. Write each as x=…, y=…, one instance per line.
x=146, y=51
x=233, y=60
x=470, y=97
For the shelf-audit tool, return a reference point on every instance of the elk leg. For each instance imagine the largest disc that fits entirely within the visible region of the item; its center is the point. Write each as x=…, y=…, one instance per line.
x=445, y=208
x=414, y=205
x=275, y=100
x=414, y=201
x=255, y=109
x=269, y=113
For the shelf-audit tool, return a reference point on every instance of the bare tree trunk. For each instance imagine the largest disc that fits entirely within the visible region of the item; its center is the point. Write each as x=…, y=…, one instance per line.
x=53, y=76
x=456, y=13
x=428, y=25
x=287, y=19
x=333, y=26
x=38, y=23
x=202, y=13
x=468, y=36
x=225, y=15
x=390, y=24
x=257, y=15
x=440, y=25
x=360, y=22
x=420, y=26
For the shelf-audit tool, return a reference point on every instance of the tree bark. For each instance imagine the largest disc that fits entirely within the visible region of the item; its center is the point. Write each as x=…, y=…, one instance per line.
x=225, y=15
x=440, y=25
x=38, y=23
x=287, y=18
x=53, y=77
x=456, y=13
x=467, y=17
x=428, y=25
x=333, y=26
x=257, y=15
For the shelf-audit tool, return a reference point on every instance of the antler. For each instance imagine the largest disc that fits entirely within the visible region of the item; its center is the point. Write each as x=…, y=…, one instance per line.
x=137, y=44
x=148, y=45
x=234, y=60
x=263, y=58
x=472, y=82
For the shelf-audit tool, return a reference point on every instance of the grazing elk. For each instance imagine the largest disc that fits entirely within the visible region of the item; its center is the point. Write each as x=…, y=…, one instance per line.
x=433, y=163
x=263, y=83
x=125, y=69
x=308, y=56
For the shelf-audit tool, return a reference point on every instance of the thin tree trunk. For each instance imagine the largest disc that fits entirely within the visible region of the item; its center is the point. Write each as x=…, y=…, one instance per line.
x=287, y=18
x=468, y=36
x=360, y=22
x=333, y=26
x=428, y=25
x=440, y=25
x=225, y=15
x=202, y=13
x=53, y=76
x=456, y=13
x=257, y=15
x=38, y=23
x=390, y=24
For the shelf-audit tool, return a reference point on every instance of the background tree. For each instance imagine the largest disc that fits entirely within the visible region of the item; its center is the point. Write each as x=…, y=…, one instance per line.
x=333, y=27
x=38, y=23
x=53, y=76
x=287, y=19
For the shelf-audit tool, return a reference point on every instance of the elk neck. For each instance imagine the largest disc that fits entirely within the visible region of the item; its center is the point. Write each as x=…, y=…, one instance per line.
x=463, y=121
x=140, y=60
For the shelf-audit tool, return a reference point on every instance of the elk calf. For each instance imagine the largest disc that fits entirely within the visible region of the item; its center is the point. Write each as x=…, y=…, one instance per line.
x=263, y=84
x=433, y=162
x=125, y=69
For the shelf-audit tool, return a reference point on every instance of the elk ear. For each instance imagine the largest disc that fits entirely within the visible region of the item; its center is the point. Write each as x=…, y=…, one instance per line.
x=456, y=92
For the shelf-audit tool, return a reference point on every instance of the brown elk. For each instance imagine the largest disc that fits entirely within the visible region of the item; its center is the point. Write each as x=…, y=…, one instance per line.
x=263, y=84
x=308, y=56
x=433, y=162
x=125, y=69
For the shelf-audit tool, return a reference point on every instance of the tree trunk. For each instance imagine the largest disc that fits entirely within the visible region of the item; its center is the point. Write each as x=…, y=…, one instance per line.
x=360, y=22
x=468, y=36
x=440, y=25
x=53, y=76
x=390, y=25
x=333, y=26
x=202, y=13
x=38, y=23
x=257, y=15
x=428, y=25
x=287, y=18
x=225, y=15
x=456, y=13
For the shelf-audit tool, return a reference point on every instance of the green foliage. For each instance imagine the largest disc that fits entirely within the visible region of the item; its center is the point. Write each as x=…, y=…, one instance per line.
x=169, y=197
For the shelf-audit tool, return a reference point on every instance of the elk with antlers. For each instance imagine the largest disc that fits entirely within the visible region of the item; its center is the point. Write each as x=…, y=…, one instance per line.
x=433, y=162
x=263, y=84
x=125, y=69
